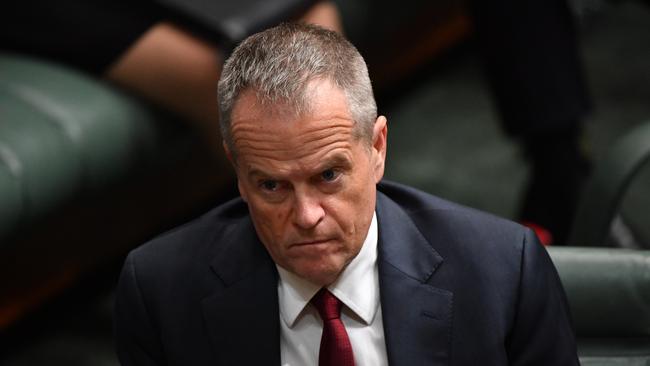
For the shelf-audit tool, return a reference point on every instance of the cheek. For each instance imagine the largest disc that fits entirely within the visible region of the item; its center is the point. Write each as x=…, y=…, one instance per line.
x=270, y=219
x=359, y=204
x=345, y=210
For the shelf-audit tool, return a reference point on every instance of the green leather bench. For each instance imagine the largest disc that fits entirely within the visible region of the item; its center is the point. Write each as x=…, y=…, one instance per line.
x=603, y=195
x=86, y=173
x=62, y=132
x=609, y=295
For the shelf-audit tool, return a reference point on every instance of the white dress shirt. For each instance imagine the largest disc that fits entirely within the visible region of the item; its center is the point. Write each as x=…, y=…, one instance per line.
x=358, y=288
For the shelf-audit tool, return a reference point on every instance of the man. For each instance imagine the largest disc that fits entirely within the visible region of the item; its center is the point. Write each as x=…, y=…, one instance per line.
x=261, y=280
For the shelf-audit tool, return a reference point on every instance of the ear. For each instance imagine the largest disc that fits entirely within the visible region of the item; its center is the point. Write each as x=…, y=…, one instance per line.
x=228, y=153
x=379, y=139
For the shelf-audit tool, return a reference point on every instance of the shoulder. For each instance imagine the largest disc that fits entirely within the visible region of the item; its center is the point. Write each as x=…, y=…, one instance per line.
x=429, y=211
x=192, y=244
x=486, y=260
x=458, y=233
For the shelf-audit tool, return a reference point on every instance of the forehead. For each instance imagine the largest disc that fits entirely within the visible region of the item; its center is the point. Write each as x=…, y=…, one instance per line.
x=319, y=98
x=272, y=134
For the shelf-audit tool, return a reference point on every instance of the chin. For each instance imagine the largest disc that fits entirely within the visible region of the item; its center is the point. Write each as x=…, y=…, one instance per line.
x=319, y=274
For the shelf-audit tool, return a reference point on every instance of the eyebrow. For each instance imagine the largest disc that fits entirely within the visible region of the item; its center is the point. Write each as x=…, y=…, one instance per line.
x=337, y=159
x=334, y=160
x=256, y=172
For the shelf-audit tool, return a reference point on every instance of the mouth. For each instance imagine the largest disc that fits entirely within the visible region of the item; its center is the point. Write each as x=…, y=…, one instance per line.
x=312, y=242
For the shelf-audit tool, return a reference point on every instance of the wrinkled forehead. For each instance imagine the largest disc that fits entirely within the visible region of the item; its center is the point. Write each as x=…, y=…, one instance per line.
x=319, y=96
x=294, y=102
x=262, y=129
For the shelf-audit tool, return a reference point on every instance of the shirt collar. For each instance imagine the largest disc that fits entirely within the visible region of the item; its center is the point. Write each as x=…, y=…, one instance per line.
x=357, y=286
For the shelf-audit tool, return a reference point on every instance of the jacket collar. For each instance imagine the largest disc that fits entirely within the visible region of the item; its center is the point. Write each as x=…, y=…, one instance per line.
x=417, y=316
x=242, y=317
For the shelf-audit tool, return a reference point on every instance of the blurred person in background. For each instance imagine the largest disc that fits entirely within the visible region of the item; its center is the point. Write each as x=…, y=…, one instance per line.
x=136, y=45
x=532, y=62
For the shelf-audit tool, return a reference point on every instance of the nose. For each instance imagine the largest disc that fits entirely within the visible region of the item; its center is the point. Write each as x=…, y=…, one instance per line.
x=308, y=211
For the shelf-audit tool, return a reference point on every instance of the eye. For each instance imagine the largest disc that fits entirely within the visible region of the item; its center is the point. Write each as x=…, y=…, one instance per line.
x=269, y=185
x=329, y=175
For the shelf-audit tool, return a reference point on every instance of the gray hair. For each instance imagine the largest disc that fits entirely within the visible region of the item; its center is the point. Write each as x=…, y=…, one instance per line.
x=278, y=63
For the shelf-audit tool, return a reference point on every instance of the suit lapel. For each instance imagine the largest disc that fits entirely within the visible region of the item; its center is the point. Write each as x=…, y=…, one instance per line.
x=417, y=316
x=243, y=317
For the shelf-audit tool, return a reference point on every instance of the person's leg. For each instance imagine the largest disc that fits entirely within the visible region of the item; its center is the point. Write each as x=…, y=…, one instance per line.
x=180, y=71
x=532, y=62
x=534, y=70
x=325, y=14
x=176, y=70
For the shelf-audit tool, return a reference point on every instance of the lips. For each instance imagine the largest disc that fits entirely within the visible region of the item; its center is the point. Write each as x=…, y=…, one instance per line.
x=312, y=242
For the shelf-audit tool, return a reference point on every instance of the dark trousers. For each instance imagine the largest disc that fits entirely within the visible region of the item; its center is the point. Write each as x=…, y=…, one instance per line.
x=533, y=65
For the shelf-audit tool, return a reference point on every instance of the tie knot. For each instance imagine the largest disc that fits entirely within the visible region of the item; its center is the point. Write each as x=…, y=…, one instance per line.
x=328, y=306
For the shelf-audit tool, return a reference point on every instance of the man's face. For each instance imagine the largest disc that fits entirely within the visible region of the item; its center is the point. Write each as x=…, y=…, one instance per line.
x=308, y=181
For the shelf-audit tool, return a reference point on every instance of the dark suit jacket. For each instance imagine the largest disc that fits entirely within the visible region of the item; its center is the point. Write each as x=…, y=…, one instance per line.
x=457, y=287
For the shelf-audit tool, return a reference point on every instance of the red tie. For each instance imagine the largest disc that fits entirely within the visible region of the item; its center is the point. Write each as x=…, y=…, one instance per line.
x=335, y=347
